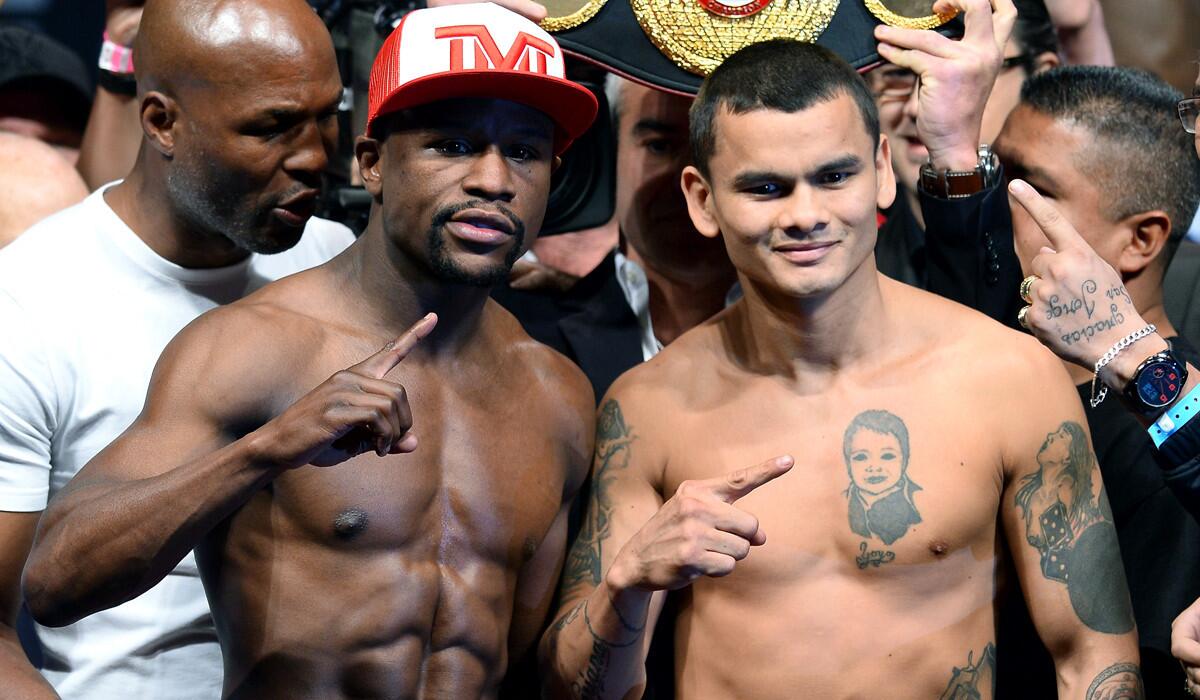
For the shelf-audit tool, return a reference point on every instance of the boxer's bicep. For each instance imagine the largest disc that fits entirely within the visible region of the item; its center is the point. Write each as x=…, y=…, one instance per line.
x=1060, y=531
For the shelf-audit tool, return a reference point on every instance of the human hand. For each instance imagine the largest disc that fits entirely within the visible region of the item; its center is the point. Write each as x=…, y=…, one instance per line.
x=526, y=8
x=353, y=411
x=1185, y=645
x=698, y=532
x=1078, y=305
x=121, y=21
x=955, y=77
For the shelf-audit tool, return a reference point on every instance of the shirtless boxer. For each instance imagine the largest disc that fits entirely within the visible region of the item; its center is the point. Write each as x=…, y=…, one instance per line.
x=428, y=560
x=923, y=436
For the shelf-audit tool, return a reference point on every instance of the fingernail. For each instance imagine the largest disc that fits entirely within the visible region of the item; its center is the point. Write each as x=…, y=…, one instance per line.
x=1018, y=187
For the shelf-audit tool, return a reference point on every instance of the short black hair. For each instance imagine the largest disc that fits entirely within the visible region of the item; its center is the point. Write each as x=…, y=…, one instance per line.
x=780, y=74
x=1140, y=157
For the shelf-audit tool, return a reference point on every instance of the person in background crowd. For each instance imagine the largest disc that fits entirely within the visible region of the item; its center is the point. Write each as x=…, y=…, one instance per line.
x=1105, y=144
x=227, y=171
x=902, y=251
x=45, y=91
x=663, y=279
x=35, y=182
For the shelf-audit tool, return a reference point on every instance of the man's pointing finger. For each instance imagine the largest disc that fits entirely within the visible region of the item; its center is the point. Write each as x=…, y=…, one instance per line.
x=382, y=362
x=735, y=485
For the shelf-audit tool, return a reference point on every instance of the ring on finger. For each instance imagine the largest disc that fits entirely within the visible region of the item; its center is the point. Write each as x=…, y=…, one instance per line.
x=1026, y=286
x=1021, y=317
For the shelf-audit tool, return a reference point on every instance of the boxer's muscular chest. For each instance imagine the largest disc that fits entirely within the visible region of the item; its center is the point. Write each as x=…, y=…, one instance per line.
x=485, y=481
x=905, y=474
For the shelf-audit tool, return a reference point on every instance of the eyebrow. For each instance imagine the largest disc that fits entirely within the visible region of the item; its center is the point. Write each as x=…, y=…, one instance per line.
x=654, y=125
x=1019, y=169
x=754, y=177
x=846, y=162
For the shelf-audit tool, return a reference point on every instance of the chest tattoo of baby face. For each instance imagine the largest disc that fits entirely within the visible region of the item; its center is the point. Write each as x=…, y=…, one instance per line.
x=880, y=496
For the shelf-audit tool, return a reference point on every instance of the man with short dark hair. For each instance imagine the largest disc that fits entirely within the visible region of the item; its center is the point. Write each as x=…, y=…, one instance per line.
x=1106, y=145
x=789, y=170
x=373, y=461
x=229, y=167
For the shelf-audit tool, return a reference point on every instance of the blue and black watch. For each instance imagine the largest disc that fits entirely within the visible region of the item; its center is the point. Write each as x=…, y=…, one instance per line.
x=1157, y=383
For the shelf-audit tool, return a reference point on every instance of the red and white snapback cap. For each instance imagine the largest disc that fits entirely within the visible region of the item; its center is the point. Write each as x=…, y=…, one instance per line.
x=477, y=50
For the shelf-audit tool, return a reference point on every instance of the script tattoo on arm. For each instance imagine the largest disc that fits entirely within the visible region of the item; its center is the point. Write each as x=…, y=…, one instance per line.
x=976, y=680
x=1121, y=681
x=881, y=505
x=1068, y=523
x=613, y=441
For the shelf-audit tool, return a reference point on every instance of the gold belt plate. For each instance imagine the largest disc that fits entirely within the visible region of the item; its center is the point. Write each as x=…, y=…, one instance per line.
x=698, y=40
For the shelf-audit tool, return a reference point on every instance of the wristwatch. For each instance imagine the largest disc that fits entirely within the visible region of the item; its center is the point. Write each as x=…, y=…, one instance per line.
x=957, y=184
x=1156, y=383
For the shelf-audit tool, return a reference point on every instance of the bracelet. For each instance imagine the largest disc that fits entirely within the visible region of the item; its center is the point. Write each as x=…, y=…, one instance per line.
x=115, y=58
x=116, y=83
x=1098, y=396
x=1175, y=418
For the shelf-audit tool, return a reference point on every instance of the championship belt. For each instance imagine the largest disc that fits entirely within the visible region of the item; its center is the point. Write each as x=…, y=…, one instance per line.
x=673, y=44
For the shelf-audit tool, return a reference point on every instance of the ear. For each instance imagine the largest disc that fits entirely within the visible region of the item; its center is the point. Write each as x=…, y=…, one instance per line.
x=160, y=120
x=555, y=164
x=699, y=202
x=1044, y=61
x=1148, y=233
x=367, y=151
x=885, y=178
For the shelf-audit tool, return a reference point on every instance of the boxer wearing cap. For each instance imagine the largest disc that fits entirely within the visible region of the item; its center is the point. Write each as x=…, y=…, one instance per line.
x=372, y=460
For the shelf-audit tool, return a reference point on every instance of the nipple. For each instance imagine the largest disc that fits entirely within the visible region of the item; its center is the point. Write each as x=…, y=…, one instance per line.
x=350, y=522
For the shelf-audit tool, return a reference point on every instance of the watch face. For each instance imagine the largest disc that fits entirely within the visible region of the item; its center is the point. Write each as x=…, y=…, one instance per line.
x=1159, y=384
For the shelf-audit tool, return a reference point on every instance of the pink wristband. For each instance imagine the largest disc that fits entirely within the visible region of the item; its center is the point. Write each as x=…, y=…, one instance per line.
x=115, y=58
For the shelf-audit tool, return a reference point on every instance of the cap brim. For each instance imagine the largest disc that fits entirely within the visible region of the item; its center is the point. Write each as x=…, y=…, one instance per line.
x=569, y=105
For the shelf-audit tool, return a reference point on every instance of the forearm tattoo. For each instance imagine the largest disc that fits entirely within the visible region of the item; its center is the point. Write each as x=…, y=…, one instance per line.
x=1121, y=681
x=880, y=496
x=614, y=440
x=976, y=680
x=1066, y=520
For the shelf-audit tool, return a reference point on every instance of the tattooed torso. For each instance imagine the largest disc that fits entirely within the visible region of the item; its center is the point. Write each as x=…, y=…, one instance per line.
x=881, y=555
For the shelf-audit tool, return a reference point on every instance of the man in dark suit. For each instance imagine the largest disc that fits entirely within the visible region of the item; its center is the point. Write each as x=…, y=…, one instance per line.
x=662, y=279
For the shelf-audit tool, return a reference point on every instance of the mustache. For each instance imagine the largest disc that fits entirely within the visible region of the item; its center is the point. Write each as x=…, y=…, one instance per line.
x=442, y=216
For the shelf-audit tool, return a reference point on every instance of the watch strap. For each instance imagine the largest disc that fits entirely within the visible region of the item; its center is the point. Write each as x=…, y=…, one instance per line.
x=952, y=184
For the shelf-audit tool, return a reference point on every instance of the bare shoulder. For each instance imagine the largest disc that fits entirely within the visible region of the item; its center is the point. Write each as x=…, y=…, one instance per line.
x=553, y=391
x=232, y=361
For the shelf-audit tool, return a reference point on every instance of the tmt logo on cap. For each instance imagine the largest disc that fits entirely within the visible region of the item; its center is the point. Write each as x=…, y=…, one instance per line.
x=477, y=50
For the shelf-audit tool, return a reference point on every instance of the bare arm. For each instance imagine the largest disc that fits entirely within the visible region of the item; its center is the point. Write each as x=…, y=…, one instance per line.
x=114, y=129
x=1060, y=531
x=22, y=680
x=632, y=549
x=135, y=510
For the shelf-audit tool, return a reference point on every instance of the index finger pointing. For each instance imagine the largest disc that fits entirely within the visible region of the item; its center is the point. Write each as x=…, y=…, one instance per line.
x=735, y=485
x=382, y=362
x=1058, y=230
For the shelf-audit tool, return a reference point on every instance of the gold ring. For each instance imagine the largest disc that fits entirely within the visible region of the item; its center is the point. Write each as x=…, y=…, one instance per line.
x=1026, y=285
x=1021, y=317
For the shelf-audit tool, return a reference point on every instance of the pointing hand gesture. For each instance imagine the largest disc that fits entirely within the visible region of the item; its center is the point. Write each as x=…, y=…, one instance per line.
x=1078, y=305
x=353, y=411
x=698, y=532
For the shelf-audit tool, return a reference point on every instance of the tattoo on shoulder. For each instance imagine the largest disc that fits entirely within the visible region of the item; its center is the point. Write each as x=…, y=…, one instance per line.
x=976, y=680
x=614, y=439
x=1121, y=681
x=1075, y=537
x=881, y=494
